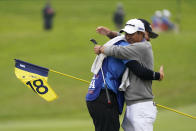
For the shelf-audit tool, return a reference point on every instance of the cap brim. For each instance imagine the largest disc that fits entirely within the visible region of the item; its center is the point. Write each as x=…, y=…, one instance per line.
x=128, y=30
x=153, y=35
x=121, y=31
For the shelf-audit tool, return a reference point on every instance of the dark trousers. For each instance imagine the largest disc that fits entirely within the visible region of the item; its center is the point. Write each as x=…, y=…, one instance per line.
x=47, y=24
x=105, y=116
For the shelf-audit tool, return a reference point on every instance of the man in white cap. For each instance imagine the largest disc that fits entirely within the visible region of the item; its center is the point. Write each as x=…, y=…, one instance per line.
x=140, y=111
x=149, y=34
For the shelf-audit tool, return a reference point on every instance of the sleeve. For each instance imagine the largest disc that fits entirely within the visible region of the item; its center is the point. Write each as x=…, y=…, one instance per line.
x=142, y=72
x=113, y=34
x=129, y=52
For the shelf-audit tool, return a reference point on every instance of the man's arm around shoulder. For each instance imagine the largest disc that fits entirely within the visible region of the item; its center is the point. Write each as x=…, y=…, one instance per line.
x=128, y=52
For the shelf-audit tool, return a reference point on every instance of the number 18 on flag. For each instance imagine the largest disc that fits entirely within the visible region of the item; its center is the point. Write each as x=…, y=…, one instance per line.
x=35, y=77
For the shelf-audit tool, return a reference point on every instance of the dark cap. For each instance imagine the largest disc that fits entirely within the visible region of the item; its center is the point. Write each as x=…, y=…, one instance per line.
x=149, y=29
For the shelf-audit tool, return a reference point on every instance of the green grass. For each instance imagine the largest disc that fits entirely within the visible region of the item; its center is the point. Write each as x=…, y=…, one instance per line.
x=48, y=125
x=170, y=121
x=67, y=49
x=166, y=120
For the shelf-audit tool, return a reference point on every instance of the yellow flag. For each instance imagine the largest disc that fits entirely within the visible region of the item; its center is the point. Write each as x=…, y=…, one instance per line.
x=35, y=77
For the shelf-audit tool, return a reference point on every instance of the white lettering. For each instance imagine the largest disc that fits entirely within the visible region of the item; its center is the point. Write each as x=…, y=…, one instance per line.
x=22, y=65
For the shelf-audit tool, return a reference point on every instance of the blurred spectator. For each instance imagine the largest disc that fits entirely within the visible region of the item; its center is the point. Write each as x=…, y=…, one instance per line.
x=166, y=23
x=161, y=21
x=48, y=14
x=118, y=17
x=157, y=21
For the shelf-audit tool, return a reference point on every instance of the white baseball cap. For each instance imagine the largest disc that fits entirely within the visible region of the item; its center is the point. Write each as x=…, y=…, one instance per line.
x=133, y=26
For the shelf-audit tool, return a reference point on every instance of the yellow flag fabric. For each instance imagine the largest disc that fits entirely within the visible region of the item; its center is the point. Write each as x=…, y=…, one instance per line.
x=35, y=77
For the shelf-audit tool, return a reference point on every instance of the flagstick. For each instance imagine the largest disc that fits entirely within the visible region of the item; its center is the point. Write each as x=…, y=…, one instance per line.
x=181, y=113
x=70, y=76
x=161, y=106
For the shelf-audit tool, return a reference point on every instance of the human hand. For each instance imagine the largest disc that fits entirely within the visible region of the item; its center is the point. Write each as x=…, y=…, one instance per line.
x=97, y=49
x=103, y=30
x=161, y=73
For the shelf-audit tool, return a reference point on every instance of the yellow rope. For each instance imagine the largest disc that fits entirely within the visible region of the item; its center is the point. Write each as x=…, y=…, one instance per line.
x=167, y=108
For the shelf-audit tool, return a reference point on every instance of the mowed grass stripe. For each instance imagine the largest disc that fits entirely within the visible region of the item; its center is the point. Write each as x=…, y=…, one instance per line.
x=37, y=124
x=166, y=120
x=171, y=121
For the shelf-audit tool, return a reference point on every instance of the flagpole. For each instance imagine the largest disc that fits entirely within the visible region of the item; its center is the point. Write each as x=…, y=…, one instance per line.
x=73, y=77
x=181, y=113
x=158, y=105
